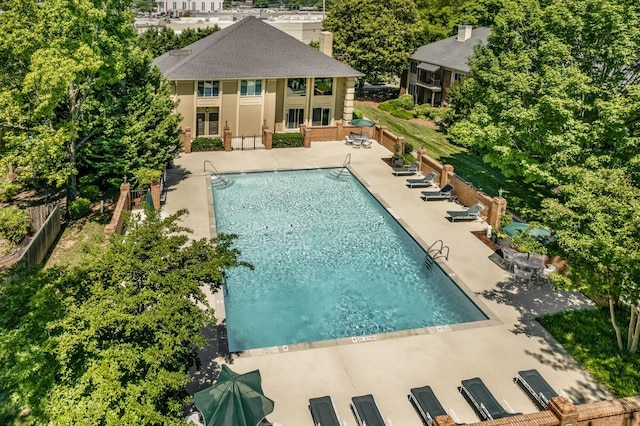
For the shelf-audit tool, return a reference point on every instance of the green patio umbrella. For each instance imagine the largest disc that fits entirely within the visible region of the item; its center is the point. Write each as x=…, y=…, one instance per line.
x=362, y=122
x=514, y=227
x=149, y=199
x=235, y=399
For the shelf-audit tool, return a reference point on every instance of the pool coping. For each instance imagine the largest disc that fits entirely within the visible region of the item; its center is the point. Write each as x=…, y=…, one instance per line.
x=218, y=297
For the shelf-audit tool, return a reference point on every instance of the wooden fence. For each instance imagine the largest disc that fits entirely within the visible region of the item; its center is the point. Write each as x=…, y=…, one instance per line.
x=47, y=220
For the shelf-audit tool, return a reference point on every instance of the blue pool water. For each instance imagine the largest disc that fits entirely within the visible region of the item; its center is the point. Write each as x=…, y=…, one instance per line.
x=330, y=262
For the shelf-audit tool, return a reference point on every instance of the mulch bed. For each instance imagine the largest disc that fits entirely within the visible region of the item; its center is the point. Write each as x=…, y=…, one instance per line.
x=482, y=236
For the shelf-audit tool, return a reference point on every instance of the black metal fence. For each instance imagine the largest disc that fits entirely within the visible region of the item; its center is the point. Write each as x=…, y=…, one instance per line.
x=245, y=143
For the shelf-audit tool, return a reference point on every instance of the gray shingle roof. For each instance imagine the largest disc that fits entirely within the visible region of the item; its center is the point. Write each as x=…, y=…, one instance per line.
x=249, y=48
x=449, y=52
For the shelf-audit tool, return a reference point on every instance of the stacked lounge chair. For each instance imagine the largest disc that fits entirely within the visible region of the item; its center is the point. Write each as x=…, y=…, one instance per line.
x=323, y=411
x=426, y=404
x=536, y=386
x=471, y=213
x=366, y=411
x=412, y=169
x=443, y=193
x=482, y=400
x=425, y=181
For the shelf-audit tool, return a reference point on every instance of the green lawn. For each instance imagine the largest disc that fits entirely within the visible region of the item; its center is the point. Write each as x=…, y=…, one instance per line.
x=589, y=337
x=523, y=200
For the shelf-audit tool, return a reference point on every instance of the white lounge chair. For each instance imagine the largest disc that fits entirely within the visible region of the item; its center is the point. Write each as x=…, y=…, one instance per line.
x=471, y=213
x=426, y=180
x=412, y=169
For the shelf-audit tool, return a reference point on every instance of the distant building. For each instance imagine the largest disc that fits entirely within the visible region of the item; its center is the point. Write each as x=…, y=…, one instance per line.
x=251, y=74
x=180, y=6
x=434, y=67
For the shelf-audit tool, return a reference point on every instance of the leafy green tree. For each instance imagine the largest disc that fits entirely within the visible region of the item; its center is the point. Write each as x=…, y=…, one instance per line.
x=67, y=51
x=598, y=229
x=111, y=341
x=554, y=86
x=134, y=125
x=158, y=40
x=145, y=5
x=374, y=37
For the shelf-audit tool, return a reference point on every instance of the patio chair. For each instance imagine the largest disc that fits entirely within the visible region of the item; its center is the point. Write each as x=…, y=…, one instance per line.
x=508, y=257
x=348, y=139
x=412, y=169
x=479, y=396
x=366, y=411
x=471, y=213
x=323, y=411
x=426, y=180
x=426, y=403
x=366, y=143
x=443, y=193
x=520, y=273
x=536, y=387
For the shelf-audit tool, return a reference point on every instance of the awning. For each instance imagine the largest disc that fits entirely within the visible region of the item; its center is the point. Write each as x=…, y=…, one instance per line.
x=428, y=67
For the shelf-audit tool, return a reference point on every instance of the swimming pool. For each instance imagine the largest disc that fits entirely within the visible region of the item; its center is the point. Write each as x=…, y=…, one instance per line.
x=330, y=262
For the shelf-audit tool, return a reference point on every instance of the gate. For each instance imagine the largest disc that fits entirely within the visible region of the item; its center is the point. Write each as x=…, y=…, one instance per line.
x=246, y=142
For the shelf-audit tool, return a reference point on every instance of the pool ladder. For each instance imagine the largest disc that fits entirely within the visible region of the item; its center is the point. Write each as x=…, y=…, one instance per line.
x=435, y=251
x=343, y=171
x=216, y=178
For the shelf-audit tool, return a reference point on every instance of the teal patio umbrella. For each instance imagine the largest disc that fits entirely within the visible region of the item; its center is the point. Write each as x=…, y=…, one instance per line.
x=362, y=122
x=536, y=232
x=235, y=399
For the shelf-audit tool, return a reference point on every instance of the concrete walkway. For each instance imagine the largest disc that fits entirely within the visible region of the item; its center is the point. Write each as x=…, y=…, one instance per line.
x=511, y=340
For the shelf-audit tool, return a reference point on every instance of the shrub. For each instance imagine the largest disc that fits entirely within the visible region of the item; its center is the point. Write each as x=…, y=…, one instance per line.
x=207, y=144
x=78, y=208
x=405, y=102
x=424, y=110
x=14, y=224
x=92, y=192
x=287, y=140
x=386, y=106
x=8, y=190
x=356, y=114
x=143, y=176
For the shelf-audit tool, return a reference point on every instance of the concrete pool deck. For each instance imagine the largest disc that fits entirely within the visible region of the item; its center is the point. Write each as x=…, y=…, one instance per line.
x=389, y=366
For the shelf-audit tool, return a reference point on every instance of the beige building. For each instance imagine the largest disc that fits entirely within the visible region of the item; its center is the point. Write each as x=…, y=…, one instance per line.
x=251, y=74
x=434, y=67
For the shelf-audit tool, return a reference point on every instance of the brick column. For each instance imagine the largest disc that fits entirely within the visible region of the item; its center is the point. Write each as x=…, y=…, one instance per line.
x=267, y=137
x=447, y=172
x=340, y=130
x=445, y=420
x=497, y=208
x=227, y=138
x=307, y=136
x=564, y=410
x=380, y=134
x=401, y=143
x=155, y=193
x=186, y=140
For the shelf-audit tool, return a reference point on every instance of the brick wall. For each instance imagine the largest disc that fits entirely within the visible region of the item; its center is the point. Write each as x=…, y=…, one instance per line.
x=465, y=193
x=562, y=412
x=124, y=203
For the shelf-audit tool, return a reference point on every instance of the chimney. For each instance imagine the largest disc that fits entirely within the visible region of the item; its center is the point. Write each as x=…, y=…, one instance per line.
x=464, y=32
x=326, y=43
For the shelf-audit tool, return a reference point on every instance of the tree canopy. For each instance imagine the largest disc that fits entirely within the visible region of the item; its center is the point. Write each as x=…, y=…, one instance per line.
x=376, y=38
x=553, y=86
x=111, y=341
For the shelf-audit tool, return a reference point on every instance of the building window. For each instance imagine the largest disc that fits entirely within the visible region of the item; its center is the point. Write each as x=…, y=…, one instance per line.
x=203, y=6
x=213, y=6
x=412, y=89
x=184, y=5
x=174, y=5
x=321, y=117
x=208, y=89
x=295, y=117
x=251, y=88
x=323, y=86
x=456, y=77
x=296, y=87
x=414, y=67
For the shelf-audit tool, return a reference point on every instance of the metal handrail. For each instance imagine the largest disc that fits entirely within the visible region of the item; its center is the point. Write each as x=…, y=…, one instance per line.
x=438, y=252
x=214, y=172
x=345, y=163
